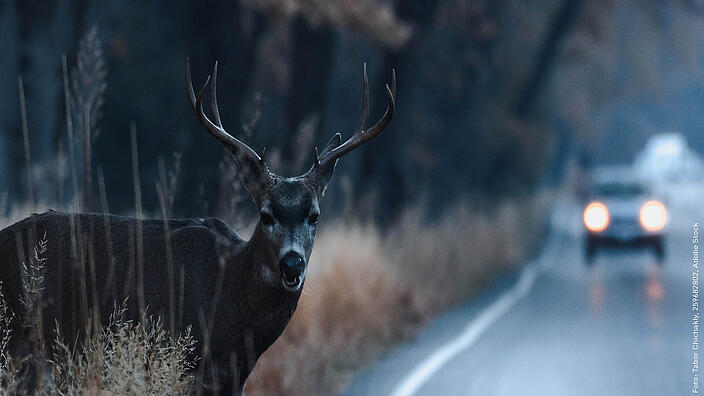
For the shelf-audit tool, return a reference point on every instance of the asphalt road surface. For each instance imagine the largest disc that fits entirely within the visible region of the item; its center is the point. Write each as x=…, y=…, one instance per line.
x=556, y=327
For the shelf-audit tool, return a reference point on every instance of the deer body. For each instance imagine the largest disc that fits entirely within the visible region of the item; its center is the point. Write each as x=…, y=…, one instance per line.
x=249, y=312
x=238, y=296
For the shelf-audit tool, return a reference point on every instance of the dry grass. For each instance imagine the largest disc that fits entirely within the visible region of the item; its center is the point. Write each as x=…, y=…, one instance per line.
x=10, y=376
x=124, y=357
x=349, y=307
x=366, y=291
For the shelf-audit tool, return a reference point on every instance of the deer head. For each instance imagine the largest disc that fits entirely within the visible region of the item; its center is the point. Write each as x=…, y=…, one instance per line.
x=289, y=207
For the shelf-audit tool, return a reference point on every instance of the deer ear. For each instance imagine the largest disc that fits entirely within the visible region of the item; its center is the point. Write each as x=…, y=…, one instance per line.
x=324, y=173
x=332, y=144
x=255, y=176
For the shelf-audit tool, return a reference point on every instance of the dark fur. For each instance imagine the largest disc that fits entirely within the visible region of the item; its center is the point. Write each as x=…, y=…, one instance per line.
x=249, y=315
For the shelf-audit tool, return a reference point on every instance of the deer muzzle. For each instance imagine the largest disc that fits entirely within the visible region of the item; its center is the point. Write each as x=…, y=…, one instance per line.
x=293, y=268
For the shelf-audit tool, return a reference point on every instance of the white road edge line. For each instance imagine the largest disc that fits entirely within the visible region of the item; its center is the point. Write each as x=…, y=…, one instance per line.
x=413, y=381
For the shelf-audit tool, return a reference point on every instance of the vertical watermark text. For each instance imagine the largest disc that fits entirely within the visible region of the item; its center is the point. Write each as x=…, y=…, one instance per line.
x=695, y=308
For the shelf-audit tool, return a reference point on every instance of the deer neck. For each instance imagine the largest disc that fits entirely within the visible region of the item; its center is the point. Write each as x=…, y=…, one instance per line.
x=260, y=260
x=262, y=299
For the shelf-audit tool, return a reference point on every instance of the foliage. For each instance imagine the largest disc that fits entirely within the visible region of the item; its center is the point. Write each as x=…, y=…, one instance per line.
x=374, y=18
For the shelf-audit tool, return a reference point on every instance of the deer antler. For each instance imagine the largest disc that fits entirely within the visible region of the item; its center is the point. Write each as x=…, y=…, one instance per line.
x=242, y=152
x=360, y=135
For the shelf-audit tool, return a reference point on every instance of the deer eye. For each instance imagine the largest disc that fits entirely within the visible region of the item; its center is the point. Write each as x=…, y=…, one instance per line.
x=313, y=219
x=267, y=219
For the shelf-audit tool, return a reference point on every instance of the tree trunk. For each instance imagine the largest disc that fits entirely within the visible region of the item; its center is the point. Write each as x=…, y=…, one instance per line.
x=532, y=88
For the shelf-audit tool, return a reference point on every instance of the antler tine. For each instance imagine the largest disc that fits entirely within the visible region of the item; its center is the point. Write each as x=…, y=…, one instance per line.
x=197, y=101
x=237, y=147
x=214, y=97
x=391, y=107
x=361, y=135
x=365, y=102
x=189, y=84
x=393, y=83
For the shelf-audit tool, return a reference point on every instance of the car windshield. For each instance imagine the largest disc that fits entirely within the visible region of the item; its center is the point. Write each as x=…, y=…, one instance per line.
x=619, y=189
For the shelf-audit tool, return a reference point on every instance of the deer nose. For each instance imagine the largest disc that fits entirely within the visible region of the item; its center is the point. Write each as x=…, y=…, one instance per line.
x=292, y=265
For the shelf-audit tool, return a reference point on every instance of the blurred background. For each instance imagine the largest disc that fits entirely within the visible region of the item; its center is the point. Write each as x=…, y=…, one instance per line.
x=503, y=108
x=495, y=97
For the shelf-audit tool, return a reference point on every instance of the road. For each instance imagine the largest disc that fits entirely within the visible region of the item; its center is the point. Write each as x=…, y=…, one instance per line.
x=622, y=327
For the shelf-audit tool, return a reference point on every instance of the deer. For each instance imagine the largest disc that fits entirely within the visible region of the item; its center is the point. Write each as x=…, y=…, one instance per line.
x=238, y=295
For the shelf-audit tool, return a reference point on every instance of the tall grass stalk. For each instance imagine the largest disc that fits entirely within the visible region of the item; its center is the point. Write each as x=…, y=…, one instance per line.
x=60, y=174
x=110, y=289
x=25, y=139
x=161, y=188
x=138, y=207
x=69, y=131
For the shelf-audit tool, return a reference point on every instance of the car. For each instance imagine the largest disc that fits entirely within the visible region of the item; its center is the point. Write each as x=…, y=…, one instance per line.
x=621, y=212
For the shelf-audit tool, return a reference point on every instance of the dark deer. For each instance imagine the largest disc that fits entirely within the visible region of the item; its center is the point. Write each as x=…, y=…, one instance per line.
x=238, y=295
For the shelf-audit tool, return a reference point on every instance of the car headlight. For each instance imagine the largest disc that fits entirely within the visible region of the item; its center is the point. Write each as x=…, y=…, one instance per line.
x=596, y=216
x=653, y=215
